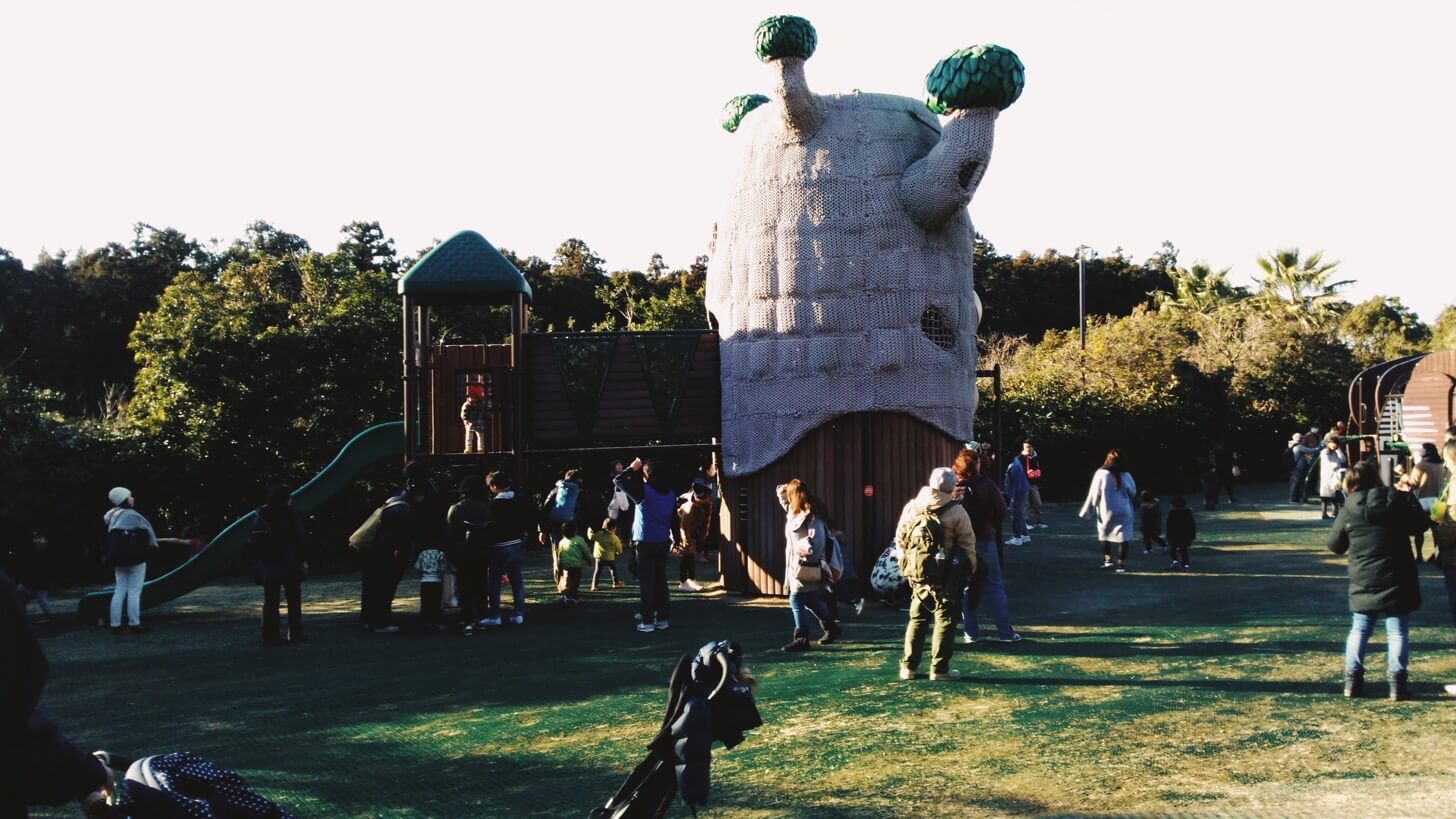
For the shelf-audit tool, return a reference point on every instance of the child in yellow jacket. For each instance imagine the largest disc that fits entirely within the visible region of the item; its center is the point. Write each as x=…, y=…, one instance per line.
x=571, y=557
x=605, y=548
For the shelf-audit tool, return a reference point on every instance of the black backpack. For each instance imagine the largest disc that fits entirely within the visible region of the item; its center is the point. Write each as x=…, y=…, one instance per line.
x=127, y=547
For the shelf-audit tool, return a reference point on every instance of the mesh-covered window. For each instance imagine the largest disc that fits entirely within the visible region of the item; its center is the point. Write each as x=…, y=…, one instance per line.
x=937, y=328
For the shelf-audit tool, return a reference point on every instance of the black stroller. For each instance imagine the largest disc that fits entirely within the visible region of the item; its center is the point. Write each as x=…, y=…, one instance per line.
x=181, y=786
x=710, y=698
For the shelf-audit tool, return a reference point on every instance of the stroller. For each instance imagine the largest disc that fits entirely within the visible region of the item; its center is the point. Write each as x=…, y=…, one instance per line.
x=710, y=698
x=181, y=786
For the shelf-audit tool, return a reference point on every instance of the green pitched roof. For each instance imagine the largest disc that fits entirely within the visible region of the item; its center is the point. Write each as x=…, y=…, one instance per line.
x=465, y=265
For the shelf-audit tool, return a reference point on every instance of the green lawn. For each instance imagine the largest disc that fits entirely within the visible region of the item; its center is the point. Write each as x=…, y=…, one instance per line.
x=1212, y=690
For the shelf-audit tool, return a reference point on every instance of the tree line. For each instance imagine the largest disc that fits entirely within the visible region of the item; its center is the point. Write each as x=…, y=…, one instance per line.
x=197, y=373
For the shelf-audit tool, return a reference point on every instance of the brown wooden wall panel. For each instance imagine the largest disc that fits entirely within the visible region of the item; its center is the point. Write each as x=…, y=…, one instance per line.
x=1427, y=402
x=446, y=433
x=892, y=452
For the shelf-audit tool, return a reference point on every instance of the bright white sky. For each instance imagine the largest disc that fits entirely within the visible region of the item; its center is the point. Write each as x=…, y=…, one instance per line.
x=1231, y=128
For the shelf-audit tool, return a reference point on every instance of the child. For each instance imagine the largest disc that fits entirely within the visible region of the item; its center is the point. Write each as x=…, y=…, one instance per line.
x=1181, y=532
x=605, y=548
x=1151, y=513
x=433, y=566
x=571, y=557
x=472, y=413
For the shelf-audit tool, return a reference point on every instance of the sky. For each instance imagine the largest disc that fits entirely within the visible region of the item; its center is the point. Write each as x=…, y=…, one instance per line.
x=1230, y=129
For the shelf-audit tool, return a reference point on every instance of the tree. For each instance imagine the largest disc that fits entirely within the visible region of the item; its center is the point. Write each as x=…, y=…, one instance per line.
x=1301, y=288
x=1381, y=328
x=1443, y=331
x=1196, y=290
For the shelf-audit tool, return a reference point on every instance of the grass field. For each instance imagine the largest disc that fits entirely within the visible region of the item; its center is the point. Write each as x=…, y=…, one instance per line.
x=1215, y=690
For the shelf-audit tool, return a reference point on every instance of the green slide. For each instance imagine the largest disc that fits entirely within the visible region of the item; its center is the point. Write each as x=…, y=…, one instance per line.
x=363, y=450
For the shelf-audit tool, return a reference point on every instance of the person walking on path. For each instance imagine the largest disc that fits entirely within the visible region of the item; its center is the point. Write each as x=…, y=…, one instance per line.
x=279, y=548
x=129, y=539
x=1017, y=489
x=1374, y=526
x=1112, y=500
x=510, y=523
x=654, y=534
x=1181, y=532
x=1031, y=464
x=979, y=495
x=938, y=547
x=469, y=549
x=1301, y=458
x=806, y=536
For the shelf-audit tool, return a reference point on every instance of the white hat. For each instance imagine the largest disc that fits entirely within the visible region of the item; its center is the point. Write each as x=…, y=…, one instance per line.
x=119, y=495
x=942, y=478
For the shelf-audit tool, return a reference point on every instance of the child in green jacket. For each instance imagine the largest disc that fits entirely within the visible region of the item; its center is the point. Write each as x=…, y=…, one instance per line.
x=605, y=548
x=571, y=557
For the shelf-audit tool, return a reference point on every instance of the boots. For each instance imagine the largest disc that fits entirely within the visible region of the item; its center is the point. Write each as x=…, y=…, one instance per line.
x=1355, y=683
x=1399, y=687
x=800, y=641
x=831, y=633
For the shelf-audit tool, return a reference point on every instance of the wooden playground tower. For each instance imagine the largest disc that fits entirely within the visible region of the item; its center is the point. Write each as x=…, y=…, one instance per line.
x=553, y=396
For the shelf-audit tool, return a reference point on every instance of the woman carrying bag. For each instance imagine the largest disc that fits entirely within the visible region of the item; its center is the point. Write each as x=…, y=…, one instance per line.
x=805, y=535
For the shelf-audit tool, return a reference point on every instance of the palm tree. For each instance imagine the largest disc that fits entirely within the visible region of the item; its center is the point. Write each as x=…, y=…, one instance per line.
x=1197, y=289
x=1299, y=288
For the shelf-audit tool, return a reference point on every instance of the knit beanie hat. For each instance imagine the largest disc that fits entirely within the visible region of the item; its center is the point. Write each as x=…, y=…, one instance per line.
x=943, y=478
x=118, y=495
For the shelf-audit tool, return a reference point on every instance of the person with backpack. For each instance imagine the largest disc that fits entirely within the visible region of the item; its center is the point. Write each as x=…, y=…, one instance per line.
x=979, y=495
x=654, y=534
x=468, y=548
x=129, y=539
x=938, y=553
x=509, y=526
x=559, y=507
x=276, y=542
x=806, y=536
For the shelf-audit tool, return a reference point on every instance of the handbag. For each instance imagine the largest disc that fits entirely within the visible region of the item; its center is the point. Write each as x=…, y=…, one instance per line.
x=810, y=570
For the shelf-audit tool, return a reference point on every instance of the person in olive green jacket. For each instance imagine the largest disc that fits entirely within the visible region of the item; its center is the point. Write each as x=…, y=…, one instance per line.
x=1375, y=526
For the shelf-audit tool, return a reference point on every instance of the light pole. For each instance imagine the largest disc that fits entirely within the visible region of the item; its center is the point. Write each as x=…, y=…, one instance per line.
x=1082, y=296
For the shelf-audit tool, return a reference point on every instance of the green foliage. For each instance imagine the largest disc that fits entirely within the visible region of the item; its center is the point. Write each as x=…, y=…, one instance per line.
x=785, y=36
x=1443, y=331
x=1197, y=289
x=976, y=77
x=737, y=108
x=1381, y=328
x=1301, y=287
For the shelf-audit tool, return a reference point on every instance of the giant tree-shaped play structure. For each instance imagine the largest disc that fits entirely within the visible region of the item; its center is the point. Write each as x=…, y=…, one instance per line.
x=841, y=283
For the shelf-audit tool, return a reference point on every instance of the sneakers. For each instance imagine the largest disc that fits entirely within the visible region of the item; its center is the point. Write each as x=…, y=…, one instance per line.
x=517, y=619
x=489, y=621
x=1041, y=526
x=948, y=674
x=1107, y=564
x=593, y=587
x=386, y=630
x=1175, y=565
x=660, y=625
x=645, y=628
x=1147, y=550
x=859, y=606
x=907, y=674
x=468, y=631
x=637, y=616
x=689, y=585
x=1450, y=689
x=1121, y=569
x=968, y=639
x=1014, y=638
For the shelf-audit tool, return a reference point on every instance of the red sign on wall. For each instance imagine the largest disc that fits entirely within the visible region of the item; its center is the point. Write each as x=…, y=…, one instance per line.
x=869, y=490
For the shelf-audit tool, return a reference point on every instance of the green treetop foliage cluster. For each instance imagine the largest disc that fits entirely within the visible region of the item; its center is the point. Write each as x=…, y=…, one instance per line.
x=199, y=373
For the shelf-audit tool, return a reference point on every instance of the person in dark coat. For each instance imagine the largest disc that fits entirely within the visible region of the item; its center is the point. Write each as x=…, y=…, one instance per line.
x=1375, y=526
x=511, y=523
x=38, y=766
x=468, y=548
x=402, y=532
x=1181, y=532
x=280, y=552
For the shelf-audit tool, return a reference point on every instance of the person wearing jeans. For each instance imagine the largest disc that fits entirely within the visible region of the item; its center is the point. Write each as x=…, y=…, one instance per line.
x=654, y=533
x=1375, y=526
x=130, y=576
x=994, y=595
x=979, y=495
x=511, y=519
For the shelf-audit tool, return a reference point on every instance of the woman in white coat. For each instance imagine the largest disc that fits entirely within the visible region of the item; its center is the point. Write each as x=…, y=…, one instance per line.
x=1332, y=466
x=1113, y=498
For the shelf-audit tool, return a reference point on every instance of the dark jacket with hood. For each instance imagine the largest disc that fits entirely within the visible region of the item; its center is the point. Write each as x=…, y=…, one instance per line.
x=1375, y=526
x=278, y=544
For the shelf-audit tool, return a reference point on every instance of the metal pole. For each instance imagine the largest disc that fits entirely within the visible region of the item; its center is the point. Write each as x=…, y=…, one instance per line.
x=1081, y=297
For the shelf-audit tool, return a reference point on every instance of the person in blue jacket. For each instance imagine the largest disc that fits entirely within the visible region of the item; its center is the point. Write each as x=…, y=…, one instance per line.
x=1017, y=490
x=654, y=536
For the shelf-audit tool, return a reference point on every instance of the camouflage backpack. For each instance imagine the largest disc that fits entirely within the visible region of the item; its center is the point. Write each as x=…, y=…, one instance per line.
x=924, y=558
